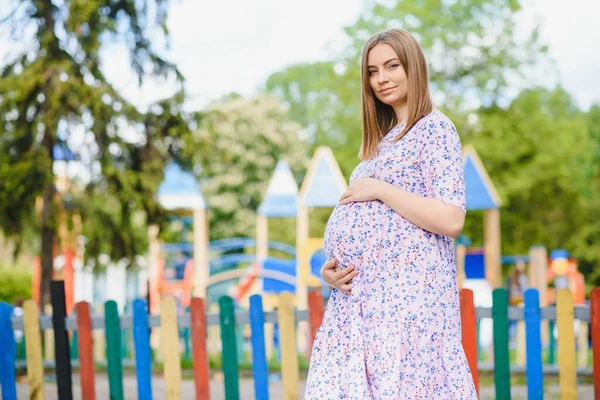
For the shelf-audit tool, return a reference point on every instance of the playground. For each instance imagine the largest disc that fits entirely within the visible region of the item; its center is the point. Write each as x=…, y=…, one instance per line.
x=169, y=171
x=238, y=316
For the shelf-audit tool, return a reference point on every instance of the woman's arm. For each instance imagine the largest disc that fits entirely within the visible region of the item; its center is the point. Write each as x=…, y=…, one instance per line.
x=444, y=210
x=430, y=214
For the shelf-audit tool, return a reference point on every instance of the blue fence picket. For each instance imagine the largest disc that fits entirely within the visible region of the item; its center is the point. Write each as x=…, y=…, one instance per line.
x=141, y=337
x=535, y=376
x=259, y=358
x=8, y=353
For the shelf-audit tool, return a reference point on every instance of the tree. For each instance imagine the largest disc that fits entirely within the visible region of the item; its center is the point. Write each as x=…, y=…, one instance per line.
x=588, y=238
x=472, y=50
x=56, y=87
x=537, y=152
x=238, y=144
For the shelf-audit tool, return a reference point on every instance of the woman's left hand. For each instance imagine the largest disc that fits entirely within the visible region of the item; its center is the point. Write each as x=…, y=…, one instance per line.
x=363, y=189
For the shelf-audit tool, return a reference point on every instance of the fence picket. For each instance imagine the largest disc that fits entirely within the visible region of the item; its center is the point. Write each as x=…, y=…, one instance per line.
x=535, y=376
x=501, y=356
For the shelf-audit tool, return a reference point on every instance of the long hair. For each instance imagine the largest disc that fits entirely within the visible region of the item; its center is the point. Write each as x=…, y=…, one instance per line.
x=378, y=118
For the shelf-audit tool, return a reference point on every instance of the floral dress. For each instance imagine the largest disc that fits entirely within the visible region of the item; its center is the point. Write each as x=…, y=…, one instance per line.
x=398, y=334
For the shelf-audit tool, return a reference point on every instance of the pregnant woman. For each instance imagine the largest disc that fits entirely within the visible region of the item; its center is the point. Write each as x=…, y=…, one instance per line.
x=391, y=329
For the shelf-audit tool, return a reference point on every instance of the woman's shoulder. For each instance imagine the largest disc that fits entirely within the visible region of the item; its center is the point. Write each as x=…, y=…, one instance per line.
x=436, y=124
x=436, y=119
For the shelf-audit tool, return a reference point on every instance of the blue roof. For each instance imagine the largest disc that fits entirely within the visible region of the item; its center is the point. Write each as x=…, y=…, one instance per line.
x=279, y=206
x=281, y=198
x=325, y=183
x=480, y=191
x=179, y=189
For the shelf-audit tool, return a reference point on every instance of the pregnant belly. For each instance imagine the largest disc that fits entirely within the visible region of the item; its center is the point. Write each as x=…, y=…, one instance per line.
x=353, y=233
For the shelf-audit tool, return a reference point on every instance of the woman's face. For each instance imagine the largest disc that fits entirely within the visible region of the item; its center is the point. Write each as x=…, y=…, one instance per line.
x=386, y=75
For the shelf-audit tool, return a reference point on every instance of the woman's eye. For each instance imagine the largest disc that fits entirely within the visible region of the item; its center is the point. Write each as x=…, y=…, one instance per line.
x=372, y=72
x=393, y=65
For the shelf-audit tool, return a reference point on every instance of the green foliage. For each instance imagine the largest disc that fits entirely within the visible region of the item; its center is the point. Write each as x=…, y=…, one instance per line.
x=16, y=284
x=54, y=92
x=589, y=233
x=21, y=178
x=113, y=226
x=537, y=153
x=471, y=47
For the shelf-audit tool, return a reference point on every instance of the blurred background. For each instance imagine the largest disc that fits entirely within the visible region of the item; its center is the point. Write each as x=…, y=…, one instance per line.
x=98, y=97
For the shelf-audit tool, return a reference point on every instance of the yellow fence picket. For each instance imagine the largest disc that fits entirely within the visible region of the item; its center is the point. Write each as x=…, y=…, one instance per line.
x=169, y=340
x=48, y=337
x=289, y=354
x=99, y=342
x=567, y=370
x=582, y=340
x=33, y=343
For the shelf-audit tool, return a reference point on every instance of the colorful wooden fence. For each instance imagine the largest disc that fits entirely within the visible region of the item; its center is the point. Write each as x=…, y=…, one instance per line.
x=228, y=320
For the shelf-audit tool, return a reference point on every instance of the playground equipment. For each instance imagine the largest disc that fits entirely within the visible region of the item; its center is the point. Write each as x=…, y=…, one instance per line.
x=280, y=201
x=563, y=273
x=179, y=192
x=481, y=195
x=220, y=272
x=478, y=269
x=322, y=188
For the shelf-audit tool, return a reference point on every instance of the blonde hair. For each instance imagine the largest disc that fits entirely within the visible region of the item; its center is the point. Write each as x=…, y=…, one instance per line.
x=378, y=118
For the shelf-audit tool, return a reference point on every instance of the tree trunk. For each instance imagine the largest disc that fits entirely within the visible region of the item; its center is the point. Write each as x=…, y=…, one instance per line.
x=48, y=228
x=48, y=214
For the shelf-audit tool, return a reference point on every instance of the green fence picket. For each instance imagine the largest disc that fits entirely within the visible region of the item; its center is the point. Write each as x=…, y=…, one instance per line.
x=114, y=350
x=501, y=356
x=230, y=357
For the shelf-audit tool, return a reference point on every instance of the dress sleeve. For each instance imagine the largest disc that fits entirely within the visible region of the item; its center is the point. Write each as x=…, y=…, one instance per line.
x=441, y=163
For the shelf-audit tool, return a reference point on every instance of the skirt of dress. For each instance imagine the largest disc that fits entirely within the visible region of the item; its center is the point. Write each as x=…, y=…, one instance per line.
x=356, y=356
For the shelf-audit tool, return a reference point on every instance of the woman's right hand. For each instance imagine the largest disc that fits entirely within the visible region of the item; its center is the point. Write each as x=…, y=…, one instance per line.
x=338, y=279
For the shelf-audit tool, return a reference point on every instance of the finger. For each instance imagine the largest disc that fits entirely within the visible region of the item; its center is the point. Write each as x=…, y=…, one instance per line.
x=348, y=199
x=348, y=277
x=328, y=269
x=328, y=277
x=345, y=288
x=346, y=194
x=329, y=274
x=343, y=272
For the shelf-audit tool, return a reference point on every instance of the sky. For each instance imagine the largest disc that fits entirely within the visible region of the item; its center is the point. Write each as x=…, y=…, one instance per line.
x=234, y=45
x=572, y=32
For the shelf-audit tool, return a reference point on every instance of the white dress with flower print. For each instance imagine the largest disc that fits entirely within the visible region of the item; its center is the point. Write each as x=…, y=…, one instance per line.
x=398, y=334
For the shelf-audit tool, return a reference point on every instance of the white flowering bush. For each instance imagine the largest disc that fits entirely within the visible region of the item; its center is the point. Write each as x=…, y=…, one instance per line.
x=238, y=144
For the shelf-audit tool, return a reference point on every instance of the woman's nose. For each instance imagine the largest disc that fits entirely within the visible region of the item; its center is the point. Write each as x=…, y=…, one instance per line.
x=382, y=77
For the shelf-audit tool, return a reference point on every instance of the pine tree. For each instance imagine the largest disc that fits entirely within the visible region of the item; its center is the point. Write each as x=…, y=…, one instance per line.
x=55, y=87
